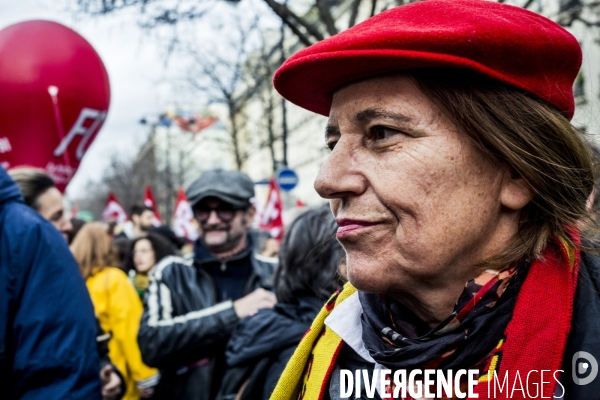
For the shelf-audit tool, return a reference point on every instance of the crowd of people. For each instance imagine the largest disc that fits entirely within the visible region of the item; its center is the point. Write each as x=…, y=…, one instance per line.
x=170, y=325
x=462, y=200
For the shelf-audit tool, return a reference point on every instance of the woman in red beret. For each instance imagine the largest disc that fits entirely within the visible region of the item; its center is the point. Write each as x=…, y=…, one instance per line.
x=459, y=186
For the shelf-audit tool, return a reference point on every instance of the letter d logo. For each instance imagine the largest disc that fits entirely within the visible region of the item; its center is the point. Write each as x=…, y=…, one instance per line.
x=580, y=367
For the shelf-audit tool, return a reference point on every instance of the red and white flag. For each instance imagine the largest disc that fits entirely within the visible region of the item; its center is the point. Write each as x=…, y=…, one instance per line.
x=114, y=211
x=149, y=202
x=183, y=220
x=272, y=214
x=74, y=211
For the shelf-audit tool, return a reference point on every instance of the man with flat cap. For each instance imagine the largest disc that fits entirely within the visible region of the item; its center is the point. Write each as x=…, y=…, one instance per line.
x=193, y=305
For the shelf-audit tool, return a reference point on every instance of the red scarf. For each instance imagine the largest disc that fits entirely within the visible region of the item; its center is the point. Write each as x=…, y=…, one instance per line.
x=537, y=334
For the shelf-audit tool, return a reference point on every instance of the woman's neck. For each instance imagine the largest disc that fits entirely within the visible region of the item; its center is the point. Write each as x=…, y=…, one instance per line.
x=433, y=307
x=433, y=304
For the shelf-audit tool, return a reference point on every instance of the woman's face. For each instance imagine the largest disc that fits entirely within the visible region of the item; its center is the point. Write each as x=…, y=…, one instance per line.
x=417, y=204
x=143, y=255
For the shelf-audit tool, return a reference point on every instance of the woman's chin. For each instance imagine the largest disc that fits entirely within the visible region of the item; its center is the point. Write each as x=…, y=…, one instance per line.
x=368, y=280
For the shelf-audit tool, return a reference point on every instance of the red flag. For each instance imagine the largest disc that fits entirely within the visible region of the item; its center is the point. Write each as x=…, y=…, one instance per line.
x=183, y=220
x=114, y=211
x=272, y=215
x=149, y=202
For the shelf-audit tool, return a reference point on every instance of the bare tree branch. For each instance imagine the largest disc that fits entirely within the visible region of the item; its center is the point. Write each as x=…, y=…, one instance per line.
x=233, y=79
x=528, y=4
x=285, y=14
x=589, y=24
x=354, y=13
x=326, y=18
x=373, y=7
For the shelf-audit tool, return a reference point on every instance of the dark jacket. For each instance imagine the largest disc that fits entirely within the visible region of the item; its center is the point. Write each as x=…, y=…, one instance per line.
x=184, y=330
x=585, y=331
x=261, y=346
x=47, y=325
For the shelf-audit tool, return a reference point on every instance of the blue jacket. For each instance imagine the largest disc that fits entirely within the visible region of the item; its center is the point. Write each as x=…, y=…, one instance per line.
x=47, y=324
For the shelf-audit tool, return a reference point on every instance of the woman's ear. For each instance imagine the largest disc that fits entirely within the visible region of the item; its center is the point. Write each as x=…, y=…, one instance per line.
x=515, y=193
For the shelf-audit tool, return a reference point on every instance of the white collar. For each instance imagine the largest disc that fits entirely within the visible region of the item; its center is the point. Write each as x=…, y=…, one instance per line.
x=344, y=320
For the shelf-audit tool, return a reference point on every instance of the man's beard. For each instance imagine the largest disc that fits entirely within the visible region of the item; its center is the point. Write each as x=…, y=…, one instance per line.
x=230, y=243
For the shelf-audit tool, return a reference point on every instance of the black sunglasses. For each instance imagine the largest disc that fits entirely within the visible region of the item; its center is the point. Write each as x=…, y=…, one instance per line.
x=225, y=212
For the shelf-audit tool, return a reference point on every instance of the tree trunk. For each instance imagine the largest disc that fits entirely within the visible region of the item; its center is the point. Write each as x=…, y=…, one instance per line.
x=235, y=135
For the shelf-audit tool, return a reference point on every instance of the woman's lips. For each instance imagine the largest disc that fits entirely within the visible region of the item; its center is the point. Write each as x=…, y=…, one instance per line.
x=348, y=227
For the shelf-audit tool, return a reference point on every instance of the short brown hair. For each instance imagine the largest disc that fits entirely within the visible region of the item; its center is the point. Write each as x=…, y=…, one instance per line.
x=92, y=248
x=33, y=182
x=533, y=138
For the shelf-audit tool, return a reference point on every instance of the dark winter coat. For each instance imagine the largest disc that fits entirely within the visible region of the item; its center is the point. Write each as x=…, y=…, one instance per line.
x=47, y=324
x=585, y=331
x=184, y=329
x=261, y=346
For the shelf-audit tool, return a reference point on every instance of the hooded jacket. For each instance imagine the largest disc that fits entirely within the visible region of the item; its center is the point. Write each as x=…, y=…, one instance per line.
x=183, y=329
x=47, y=325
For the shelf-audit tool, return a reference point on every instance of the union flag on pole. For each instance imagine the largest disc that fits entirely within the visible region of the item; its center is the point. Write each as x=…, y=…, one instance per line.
x=114, y=211
x=183, y=220
x=149, y=202
x=272, y=215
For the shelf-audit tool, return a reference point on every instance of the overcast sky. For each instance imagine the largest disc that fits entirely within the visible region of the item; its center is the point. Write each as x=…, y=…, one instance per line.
x=135, y=68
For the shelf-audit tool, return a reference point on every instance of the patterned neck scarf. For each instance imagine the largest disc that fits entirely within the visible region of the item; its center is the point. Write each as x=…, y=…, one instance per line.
x=397, y=339
x=141, y=281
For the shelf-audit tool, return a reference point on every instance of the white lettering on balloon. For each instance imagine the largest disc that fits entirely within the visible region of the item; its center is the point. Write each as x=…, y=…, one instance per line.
x=5, y=146
x=80, y=129
x=60, y=173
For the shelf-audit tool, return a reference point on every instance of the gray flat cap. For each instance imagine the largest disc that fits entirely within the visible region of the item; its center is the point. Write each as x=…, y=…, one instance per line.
x=233, y=187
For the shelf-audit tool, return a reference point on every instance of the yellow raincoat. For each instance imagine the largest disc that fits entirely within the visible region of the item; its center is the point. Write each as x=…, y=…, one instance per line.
x=119, y=311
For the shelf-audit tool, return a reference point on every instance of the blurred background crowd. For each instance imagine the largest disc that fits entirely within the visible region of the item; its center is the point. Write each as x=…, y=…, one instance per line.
x=217, y=317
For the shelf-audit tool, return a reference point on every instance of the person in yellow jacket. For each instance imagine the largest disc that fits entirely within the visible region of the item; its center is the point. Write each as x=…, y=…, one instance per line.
x=117, y=306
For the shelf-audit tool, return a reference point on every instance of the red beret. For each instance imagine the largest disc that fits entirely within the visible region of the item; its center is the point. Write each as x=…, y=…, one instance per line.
x=504, y=42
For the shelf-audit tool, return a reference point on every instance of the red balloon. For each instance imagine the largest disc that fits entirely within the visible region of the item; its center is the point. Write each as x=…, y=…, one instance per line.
x=54, y=97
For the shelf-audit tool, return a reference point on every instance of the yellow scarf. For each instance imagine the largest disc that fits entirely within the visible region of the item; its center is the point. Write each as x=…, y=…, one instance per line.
x=314, y=356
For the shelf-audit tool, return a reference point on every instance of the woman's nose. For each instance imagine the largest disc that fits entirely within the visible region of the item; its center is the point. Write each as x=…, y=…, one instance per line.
x=339, y=177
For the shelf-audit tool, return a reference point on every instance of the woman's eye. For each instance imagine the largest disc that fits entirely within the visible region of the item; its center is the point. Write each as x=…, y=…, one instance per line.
x=381, y=133
x=331, y=144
